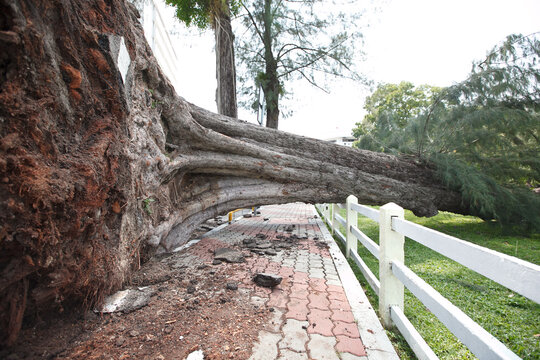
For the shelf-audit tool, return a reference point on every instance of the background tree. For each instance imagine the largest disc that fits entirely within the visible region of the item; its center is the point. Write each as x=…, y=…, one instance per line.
x=216, y=14
x=389, y=110
x=284, y=40
x=482, y=134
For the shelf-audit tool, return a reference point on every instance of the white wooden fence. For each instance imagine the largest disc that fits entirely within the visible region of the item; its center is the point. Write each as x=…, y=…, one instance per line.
x=515, y=274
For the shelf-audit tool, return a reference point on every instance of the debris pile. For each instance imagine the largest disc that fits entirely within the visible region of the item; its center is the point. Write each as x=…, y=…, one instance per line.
x=261, y=246
x=229, y=255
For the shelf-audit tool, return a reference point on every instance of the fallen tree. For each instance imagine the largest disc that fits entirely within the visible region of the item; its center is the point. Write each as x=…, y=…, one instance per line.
x=102, y=163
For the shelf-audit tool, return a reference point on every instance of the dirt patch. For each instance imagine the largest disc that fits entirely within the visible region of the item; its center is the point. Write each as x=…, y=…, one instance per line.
x=191, y=309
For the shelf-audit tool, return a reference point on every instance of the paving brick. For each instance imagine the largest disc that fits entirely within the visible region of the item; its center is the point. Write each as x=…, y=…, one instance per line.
x=332, y=277
x=350, y=345
x=316, y=273
x=286, y=354
x=327, y=261
x=322, y=348
x=336, y=289
x=288, y=263
x=275, y=322
x=266, y=347
x=336, y=296
x=331, y=272
x=297, y=309
x=272, y=268
x=339, y=305
x=299, y=291
x=346, y=328
x=320, y=322
x=258, y=269
x=333, y=282
x=295, y=336
x=318, y=300
x=278, y=298
x=318, y=284
x=342, y=315
x=300, y=277
x=286, y=271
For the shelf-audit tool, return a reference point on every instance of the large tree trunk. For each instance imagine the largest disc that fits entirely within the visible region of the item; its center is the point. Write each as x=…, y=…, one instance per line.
x=225, y=65
x=101, y=162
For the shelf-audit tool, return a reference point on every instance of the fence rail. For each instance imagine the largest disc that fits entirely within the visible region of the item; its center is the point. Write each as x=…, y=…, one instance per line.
x=501, y=268
x=366, y=241
x=341, y=221
x=517, y=275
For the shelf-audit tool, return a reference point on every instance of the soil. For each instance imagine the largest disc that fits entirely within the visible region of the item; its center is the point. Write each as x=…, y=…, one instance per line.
x=192, y=309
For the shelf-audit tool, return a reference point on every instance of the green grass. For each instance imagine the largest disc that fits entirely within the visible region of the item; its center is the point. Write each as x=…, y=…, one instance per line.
x=511, y=318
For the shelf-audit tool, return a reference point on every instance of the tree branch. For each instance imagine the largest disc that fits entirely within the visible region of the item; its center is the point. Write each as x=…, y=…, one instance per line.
x=253, y=22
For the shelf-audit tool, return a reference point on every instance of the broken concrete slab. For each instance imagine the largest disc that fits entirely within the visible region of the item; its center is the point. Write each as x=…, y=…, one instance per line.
x=127, y=300
x=264, y=245
x=229, y=255
x=196, y=355
x=267, y=280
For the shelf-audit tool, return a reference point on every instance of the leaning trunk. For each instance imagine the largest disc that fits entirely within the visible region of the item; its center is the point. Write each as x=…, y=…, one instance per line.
x=225, y=65
x=101, y=163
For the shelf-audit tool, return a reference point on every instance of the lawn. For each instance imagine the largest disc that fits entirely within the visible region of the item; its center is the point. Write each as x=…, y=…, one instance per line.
x=511, y=318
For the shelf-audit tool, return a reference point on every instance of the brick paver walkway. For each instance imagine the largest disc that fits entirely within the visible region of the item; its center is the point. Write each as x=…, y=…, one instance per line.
x=312, y=317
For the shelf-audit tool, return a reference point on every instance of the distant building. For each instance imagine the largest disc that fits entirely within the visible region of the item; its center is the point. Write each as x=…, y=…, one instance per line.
x=342, y=140
x=154, y=22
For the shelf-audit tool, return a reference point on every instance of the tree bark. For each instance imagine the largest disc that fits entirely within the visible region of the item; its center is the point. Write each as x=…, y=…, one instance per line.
x=271, y=97
x=225, y=65
x=101, y=163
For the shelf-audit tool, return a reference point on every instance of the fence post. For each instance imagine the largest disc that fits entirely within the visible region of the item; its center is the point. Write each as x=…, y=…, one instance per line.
x=352, y=219
x=327, y=213
x=335, y=209
x=391, y=249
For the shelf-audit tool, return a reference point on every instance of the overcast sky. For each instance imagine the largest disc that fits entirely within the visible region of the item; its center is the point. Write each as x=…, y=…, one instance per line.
x=422, y=41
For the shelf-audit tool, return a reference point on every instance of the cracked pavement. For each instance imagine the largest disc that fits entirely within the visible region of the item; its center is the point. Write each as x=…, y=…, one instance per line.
x=312, y=316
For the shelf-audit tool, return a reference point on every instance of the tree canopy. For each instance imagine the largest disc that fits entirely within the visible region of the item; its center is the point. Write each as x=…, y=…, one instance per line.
x=389, y=109
x=482, y=133
x=202, y=13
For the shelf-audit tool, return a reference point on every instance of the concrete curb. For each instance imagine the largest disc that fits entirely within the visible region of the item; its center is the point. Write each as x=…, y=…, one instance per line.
x=373, y=335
